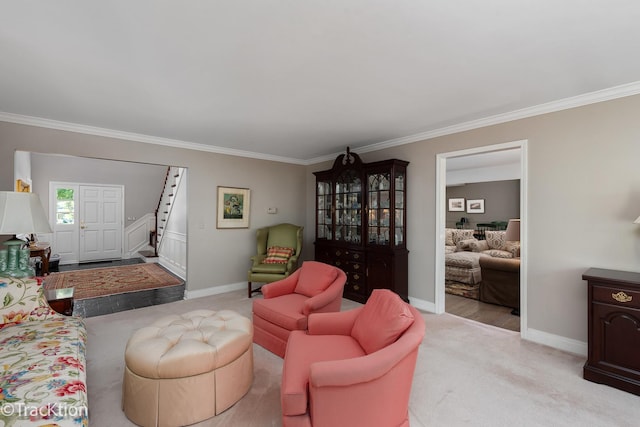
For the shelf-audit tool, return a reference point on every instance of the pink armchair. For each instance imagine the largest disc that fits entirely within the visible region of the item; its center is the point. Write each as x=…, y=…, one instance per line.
x=353, y=368
x=314, y=287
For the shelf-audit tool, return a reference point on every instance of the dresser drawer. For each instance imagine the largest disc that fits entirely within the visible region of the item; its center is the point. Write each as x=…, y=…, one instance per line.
x=616, y=296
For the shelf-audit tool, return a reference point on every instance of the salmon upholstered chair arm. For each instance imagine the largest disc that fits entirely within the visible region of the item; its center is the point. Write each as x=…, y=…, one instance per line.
x=338, y=323
x=348, y=372
x=281, y=287
x=329, y=300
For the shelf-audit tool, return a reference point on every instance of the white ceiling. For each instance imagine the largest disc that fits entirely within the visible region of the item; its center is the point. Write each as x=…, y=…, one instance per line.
x=302, y=79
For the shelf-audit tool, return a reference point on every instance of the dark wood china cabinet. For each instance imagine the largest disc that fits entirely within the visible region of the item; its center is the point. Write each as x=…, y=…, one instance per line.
x=361, y=218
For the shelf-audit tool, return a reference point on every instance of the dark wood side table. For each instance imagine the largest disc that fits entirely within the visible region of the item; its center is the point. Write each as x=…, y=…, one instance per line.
x=61, y=300
x=614, y=329
x=43, y=250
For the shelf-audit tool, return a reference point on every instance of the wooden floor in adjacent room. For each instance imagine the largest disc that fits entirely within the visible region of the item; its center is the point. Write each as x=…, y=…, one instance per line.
x=489, y=314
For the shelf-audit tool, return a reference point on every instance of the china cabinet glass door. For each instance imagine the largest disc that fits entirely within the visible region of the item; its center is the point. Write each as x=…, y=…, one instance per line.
x=379, y=200
x=324, y=197
x=399, y=229
x=348, y=203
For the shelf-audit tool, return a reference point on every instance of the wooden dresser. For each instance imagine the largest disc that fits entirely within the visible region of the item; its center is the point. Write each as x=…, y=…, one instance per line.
x=614, y=329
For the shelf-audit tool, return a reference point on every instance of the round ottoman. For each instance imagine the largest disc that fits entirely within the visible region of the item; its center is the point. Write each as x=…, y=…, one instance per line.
x=186, y=368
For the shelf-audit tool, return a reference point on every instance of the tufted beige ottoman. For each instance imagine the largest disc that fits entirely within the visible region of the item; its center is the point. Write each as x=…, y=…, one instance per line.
x=185, y=369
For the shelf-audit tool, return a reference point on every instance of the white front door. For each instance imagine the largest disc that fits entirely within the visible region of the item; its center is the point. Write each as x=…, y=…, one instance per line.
x=101, y=222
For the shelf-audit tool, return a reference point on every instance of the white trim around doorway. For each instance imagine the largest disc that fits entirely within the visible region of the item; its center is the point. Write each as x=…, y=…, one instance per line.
x=441, y=182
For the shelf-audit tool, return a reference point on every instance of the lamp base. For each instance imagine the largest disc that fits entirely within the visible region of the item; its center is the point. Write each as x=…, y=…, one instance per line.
x=14, y=261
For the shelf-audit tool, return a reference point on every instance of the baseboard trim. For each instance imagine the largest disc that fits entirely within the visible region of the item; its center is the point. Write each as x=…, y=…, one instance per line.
x=423, y=305
x=569, y=345
x=214, y=290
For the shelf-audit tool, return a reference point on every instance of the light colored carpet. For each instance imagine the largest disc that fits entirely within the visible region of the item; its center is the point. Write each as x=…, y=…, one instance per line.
x=468, y=374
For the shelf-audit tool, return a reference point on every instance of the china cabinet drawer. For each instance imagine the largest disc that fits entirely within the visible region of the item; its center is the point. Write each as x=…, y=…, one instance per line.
x=346, y=255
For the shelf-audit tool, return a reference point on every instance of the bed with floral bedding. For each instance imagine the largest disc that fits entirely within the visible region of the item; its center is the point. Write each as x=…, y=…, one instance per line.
x=42, y=360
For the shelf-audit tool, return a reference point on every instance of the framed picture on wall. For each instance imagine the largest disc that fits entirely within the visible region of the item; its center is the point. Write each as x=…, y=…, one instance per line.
x=233, y=207
x=456, y=205
x=475, y=206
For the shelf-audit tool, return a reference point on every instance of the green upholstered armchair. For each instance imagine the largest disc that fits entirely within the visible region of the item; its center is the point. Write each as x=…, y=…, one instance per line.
x=281, y=236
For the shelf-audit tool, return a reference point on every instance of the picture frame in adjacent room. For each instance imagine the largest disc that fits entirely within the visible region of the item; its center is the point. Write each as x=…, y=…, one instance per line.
x=234, y=206
x=456, y=205
x=475, y=206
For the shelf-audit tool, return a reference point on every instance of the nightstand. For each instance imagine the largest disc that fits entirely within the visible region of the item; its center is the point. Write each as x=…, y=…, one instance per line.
x=61, y=300
x=614, y=335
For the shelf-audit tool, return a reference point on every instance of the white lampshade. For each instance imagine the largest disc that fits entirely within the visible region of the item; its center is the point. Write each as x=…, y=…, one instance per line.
x=22, y=213
x=513, y=231
x=637, y=221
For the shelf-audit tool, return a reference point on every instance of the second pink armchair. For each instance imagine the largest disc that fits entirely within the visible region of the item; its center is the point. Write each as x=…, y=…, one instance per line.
x=314, y=288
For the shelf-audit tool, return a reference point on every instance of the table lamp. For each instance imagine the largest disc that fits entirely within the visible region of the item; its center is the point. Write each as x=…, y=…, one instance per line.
x=513, y=231
x=637, y=221
x=20, y=213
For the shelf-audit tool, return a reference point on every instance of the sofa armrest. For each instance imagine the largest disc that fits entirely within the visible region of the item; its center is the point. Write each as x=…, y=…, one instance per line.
x=336, y=323
x=326, y=297
x=503, y=264
x=281, y=287
x=23, y=300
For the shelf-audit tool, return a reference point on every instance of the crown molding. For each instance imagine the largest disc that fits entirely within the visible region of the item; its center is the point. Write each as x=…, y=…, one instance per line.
x=550, y=107
x=137, y=137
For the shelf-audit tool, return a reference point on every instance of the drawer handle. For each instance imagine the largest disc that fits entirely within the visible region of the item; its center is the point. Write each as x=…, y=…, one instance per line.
x=356, y=256
x=338, y=253
x=356, y=287
x=356, y=276
x=621, y=297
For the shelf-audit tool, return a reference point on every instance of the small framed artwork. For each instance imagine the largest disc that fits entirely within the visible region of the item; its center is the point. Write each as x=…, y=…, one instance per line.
x=475, y=206
x=233, y=207
x=456, y=205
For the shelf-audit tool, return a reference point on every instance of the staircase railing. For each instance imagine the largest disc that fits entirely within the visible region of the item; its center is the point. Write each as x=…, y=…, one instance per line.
x=164, y=206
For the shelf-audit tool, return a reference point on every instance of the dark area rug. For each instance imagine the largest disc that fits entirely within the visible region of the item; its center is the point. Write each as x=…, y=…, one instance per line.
x=98, y=282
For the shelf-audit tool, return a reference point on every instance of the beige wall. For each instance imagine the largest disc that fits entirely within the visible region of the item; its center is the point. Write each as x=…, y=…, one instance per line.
x=583, y=194
x=215, y=257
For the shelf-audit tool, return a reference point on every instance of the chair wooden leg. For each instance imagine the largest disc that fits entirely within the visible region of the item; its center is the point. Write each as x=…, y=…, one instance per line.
x=252, y=291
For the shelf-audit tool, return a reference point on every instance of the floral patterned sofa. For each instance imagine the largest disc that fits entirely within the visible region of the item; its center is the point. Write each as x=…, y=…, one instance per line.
x=42, y=360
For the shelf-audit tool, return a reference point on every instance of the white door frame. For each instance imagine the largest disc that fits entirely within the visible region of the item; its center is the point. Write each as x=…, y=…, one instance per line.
x=441, y=204
x=52, y=214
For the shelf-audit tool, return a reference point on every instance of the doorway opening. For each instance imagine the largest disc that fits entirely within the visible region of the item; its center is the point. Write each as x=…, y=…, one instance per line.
x=482, y=164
